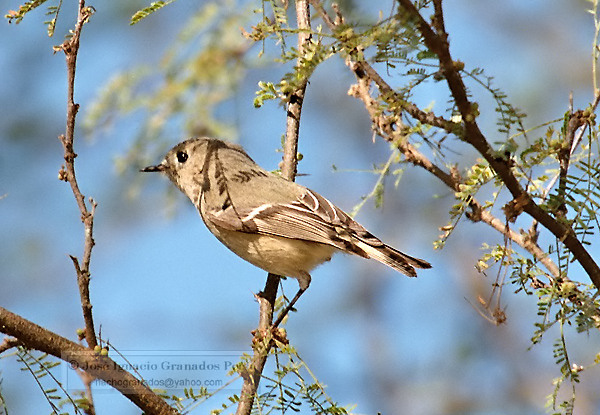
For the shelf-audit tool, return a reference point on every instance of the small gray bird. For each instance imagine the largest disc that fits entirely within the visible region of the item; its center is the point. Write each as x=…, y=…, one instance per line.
x=277, y=225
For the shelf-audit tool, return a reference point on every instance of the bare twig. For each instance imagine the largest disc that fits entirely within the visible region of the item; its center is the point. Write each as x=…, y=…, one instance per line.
x=262, y=344
x=87, y=380
x=294, y=107
x=263, y=336
x=32, y=336
x=294, y=111
x=67, y=173
x=25, y=333
x=70, y=47
x=8, y=343
x=578, y=120
x=438, y=19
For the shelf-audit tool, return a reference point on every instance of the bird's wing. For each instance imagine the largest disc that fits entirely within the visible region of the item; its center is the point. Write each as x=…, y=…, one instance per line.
x=311, y=217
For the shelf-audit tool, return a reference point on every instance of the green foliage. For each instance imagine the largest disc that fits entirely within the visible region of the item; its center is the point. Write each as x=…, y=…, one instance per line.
x=509, y=117
x=292, y=387
x=475, y=178
x=40, y=366
x=313, y=55
x=3, y=407
x=535, y=156
x=289, y=387
x=377, y=193
x=582, y=196
x=559, y=168
x=145, y=12
x=53, y=12
x=16, y=16
x=267, y=91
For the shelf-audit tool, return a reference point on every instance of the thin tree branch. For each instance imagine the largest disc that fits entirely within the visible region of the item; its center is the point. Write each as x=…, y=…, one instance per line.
x=573, y=137
x=438, y=19
x=67, y=173
x=263, y=336
x=522, y=201
x=414, y=156
x=365, y=73
x=294, y=107
x=87, y=380
x=32, y=336
x=9, y=343
x=438, y=43
x=261, y=345
x=362, y=68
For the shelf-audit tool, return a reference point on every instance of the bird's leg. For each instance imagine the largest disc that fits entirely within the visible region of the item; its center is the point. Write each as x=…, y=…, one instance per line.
x=304, y=282
x=289, y=307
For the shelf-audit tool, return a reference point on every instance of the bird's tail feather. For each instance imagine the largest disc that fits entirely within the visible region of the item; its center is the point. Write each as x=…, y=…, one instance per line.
x=394, y=258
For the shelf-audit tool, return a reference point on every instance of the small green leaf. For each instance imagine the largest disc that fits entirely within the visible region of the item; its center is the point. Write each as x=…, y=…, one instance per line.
x=154, y=6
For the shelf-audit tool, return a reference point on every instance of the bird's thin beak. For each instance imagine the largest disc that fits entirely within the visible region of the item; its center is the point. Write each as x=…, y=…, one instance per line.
x=158, y=168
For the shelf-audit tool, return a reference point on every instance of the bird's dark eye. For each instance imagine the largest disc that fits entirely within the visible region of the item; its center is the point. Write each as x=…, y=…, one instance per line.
x=182, y=156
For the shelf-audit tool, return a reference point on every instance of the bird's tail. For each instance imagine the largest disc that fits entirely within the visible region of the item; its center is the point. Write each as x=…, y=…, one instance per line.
x=393, y=258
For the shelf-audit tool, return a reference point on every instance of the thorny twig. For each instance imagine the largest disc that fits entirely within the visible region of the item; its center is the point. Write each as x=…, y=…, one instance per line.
x=576, y=127
x=67, y=173
x=8, y=343
x=437, y=42
x=389, y=128
x=70, y=47
x=29, y=335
